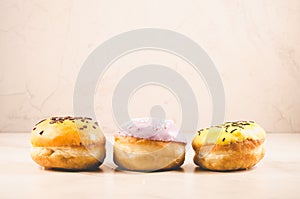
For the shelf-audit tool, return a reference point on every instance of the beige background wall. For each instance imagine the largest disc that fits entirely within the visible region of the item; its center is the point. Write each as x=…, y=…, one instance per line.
x=254, y=44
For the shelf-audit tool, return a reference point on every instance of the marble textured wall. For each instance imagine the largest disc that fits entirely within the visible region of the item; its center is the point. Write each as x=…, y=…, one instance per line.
x=254, y=44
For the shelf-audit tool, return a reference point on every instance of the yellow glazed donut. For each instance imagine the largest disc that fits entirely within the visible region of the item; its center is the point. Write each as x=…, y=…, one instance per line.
x=72, y=143
x=230, y=146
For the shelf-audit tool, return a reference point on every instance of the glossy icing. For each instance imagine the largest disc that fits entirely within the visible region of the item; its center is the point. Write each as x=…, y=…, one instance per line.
x=230, y=132
x=152, y=129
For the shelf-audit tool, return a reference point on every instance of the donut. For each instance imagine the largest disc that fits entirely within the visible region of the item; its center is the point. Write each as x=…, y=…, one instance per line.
x=230, y=146
x=148, y=144
x=68, y=143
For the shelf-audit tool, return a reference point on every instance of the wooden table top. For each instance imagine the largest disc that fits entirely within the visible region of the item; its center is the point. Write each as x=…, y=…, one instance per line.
x=276, y=176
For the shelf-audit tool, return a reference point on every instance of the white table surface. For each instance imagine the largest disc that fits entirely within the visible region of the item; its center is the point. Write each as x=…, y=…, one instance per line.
x=276, y=176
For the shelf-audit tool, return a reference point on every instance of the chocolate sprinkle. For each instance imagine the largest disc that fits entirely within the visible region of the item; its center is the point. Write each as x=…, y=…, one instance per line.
x=233, y=130
x=62, y=119
x=54, y=120
x=223, y=139
x=40, y=121
x=33, y=128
